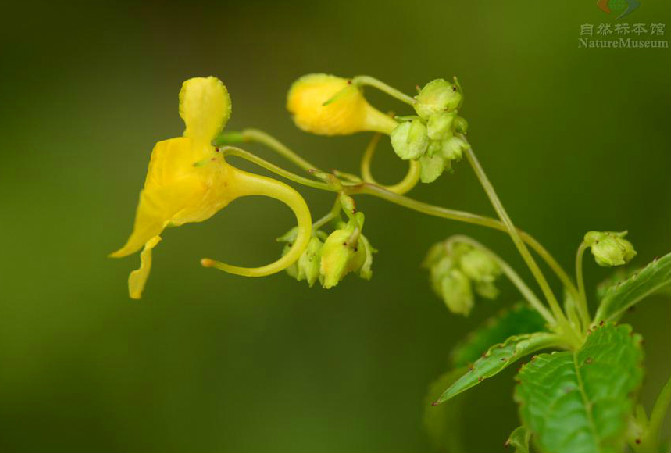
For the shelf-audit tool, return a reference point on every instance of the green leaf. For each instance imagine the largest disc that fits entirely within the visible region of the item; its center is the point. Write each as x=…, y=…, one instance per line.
x=519, y=440
x=443, y=423
x=579, y=401
x=517, y=320
x=497, y=358
x=617, y=299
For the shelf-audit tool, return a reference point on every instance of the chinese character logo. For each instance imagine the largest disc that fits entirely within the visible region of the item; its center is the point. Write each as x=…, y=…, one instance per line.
x=620, y=7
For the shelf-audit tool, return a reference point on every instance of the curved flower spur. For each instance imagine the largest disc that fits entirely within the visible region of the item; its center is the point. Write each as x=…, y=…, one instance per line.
x=188, y=180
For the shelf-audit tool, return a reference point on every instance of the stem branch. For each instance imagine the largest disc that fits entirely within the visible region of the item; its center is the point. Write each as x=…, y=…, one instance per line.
x=519, y=243
x=375, y=83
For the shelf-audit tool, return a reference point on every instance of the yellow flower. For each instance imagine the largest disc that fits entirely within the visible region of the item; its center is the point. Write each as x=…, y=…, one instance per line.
x=189, y=181
x=348, y=111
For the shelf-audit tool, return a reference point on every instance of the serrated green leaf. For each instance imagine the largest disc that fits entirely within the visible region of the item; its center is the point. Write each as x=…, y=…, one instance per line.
x=497, y=358
x=578, y=402
x=517, y=320
x=619, y=298
x=443, y=423
x=519, y=440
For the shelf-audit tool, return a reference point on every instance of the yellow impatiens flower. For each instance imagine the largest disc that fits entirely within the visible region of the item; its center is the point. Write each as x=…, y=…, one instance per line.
x=346, y=113
x=188, y=180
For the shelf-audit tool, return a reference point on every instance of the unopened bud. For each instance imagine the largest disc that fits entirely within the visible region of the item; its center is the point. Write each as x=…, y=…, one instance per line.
x=453, y=148
x=480, y=266
x=329, y=105
x=431, y=167
x=457, y=292
x=410, y=140
x=437, y=96
x=440, y=125
x=610, y=248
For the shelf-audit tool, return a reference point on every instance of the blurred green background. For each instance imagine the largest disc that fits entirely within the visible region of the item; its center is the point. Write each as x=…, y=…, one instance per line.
x=573, y=139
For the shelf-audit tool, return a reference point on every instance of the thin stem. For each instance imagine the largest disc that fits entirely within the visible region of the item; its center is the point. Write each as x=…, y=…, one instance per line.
x=517, y=240
x=409, y=181
x=466, y=217
x=238, y=152
x=513, y=276
x=372, y=189
x=650, y=441
x=582, y=300
x=334, y=213
x=393, y=92
x=255, y=135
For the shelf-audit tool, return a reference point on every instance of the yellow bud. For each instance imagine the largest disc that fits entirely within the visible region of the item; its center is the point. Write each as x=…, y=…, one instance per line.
x=346, y=110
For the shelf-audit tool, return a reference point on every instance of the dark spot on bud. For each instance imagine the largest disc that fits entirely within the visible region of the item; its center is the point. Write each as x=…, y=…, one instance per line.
x=588, y=361
x=602, y=323
x=349, y=82
x=471, y=367
x=480, y=379
x=638, y=441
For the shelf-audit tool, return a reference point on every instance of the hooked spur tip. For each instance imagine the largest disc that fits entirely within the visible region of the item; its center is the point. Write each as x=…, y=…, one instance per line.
x=207, y=262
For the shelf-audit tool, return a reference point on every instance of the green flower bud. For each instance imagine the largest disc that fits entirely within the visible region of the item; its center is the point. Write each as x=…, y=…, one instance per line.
x=460, y=125
x=410, y=139
x=308, y=263
x=437, y=96
x=430, y=168
x=307, y=266
x=292, y=270
x=487, y=290
x=453, y=148
x=440, y=125
x=437, y=252
x=346, y=250
x=480, y=266
x=610, y=248
x=438, y=270
x=457, y=292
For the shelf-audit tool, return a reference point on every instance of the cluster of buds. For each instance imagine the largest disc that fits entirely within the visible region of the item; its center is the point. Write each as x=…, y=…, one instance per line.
x=330, y=257
x=460, y=270
x=433, y=137
x=610, y=248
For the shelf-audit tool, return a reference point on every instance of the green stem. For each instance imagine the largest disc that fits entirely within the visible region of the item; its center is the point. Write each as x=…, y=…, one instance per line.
x=650, y=441
x=255, y=135
x=393, y=92
x=513, y=276
x=519, y=243
x=582, y=300
x=238, y=152
x=466, y=217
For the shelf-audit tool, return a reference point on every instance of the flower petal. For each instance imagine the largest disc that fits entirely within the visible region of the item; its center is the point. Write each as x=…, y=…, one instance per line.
x=205, y=106
x=173, y=192
x=138, y=278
